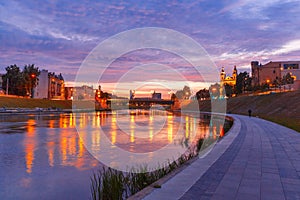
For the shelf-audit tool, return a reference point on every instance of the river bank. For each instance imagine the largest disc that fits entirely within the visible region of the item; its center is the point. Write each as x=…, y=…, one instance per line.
x=282, y=108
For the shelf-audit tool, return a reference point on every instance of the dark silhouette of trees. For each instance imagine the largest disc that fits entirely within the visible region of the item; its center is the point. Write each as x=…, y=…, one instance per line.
x=228, y=90
x=203, y=94
x=243, y=83
x=30, y=77
x=185, y=93
x=287, y=79
x=20, y=83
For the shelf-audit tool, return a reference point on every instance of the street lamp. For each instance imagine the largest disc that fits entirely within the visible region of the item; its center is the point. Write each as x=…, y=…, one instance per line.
x=33, y=78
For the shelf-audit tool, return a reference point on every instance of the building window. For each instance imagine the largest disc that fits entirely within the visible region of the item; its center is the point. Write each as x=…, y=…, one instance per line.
x=291, y=66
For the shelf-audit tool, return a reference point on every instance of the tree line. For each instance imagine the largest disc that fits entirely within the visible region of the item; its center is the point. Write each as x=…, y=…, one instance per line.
x=20, y=82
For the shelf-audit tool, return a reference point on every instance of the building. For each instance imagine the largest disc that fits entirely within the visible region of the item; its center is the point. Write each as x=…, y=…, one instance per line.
x=79, y=93
x=272, y=72
x=156, y=95
x=228, y=80
x=49, y=86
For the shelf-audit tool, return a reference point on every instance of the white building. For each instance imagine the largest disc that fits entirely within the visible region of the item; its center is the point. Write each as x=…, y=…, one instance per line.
x=49, y=86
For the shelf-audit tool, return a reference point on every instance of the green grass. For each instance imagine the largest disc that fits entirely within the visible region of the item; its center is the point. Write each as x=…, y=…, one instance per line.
x=111, y=184
x=285, y=121
x=281, y=108
x=15, y=102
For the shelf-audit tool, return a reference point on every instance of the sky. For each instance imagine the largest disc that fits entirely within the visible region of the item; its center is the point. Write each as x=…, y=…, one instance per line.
x=59, y=35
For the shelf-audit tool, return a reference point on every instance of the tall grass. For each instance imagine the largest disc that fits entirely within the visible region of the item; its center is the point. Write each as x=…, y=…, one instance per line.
x=111, y=184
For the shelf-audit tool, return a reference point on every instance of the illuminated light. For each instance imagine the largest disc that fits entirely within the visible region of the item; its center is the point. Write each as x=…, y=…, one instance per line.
x=63, y=147
x=81, y=124
x=51, y=123
x=132, y=118
x=113, y=136
x=30, y=126
x=71, y=120
x=114, y=128
x=151, y=118
x=98, y=124
x=132, y=135
x=72, y=146
x=170, y=128
x=268, y=81
x=214, y=132
x=221, y=131
x=80, y=148
x=151, y=134
x=65, y=121
x=186, y=127
x=29, y=145
x=51, y=147
x=29, y=157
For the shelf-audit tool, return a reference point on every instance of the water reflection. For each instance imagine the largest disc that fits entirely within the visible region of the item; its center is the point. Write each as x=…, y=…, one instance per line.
x=51, y=142
x=66, y=148
x=29, y=145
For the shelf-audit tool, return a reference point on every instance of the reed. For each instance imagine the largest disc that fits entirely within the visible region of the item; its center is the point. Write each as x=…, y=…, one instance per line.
x=111, y=184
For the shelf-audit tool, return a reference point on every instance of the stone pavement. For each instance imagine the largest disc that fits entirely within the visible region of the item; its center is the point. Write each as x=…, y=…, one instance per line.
x=256, y=160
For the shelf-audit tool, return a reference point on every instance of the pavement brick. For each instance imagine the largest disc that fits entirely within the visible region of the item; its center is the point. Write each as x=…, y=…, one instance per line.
x=261, y=162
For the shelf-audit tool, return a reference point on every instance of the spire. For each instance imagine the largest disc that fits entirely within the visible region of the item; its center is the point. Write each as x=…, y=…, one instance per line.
x=234, y=73
x=222, y=74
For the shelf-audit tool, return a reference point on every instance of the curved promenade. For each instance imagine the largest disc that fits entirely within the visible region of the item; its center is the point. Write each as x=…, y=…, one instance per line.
x=258, y=159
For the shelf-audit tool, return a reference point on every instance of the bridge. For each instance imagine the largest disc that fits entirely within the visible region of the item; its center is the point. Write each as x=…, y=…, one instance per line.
x=139, y=103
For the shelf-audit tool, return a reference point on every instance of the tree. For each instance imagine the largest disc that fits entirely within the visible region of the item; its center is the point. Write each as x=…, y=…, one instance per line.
x=287, y=79
x=13, y=77
x=243, y=82
x=203, y=94
x=228, y=90
x=30, y=77
x=20, y=83
x=185, y=93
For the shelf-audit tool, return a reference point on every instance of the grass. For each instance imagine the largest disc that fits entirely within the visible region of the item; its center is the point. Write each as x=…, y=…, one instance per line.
x=19, y=102
x=281, y=108
x=111, y=184
x=14, y=102
x=285, y=121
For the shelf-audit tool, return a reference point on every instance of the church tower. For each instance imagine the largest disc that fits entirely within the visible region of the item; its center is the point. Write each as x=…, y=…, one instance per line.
x=234, y=73
x=222, y=75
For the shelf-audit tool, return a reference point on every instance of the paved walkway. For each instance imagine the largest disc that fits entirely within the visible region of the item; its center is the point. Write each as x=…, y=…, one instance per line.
x=256, y=160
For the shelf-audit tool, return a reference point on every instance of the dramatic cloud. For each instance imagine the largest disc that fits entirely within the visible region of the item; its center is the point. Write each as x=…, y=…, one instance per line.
x=58, y=35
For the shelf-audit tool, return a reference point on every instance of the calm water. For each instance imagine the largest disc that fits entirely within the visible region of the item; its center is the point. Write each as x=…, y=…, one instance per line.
x=43, y=156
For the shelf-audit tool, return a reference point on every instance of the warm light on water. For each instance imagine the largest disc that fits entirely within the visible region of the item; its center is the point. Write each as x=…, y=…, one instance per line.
x=42, y=155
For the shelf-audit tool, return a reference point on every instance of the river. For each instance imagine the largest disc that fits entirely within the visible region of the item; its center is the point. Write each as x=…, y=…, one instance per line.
x=53, y=156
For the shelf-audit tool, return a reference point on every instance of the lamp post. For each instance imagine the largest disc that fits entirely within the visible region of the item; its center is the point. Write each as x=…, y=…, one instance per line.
x=31, y=89
x=7, y=80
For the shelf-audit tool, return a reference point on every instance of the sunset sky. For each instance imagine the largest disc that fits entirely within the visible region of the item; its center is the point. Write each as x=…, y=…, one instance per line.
x=58, y=35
